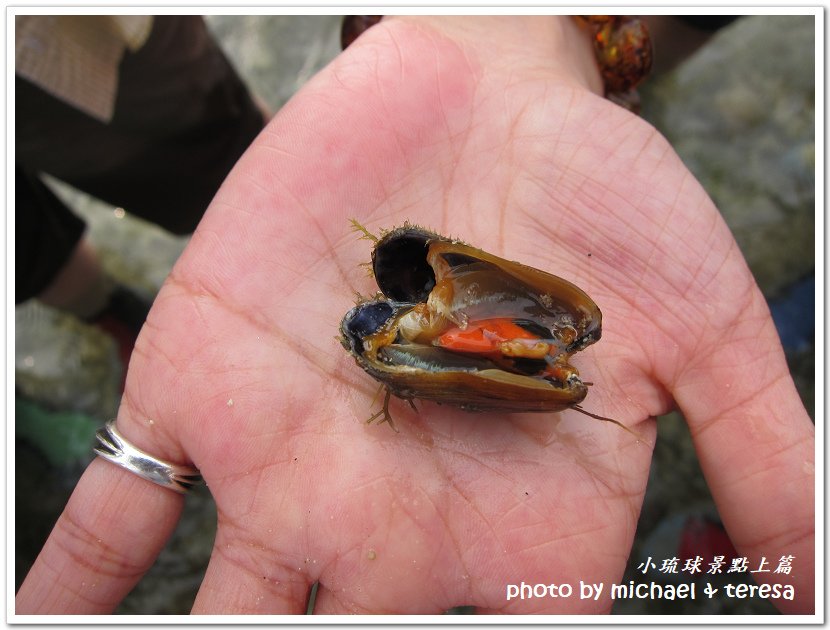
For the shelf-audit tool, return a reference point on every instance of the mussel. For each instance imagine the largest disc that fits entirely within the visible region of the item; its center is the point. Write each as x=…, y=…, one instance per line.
x=458, y=326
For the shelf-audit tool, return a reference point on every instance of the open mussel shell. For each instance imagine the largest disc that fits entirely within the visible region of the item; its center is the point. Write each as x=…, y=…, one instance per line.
x=406, y=261
x=459, y=326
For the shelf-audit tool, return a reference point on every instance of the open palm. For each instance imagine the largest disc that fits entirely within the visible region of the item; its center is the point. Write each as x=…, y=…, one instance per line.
x=239, y=369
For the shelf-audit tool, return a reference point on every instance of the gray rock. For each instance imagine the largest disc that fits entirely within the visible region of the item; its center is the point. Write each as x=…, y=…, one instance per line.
x=741, y=115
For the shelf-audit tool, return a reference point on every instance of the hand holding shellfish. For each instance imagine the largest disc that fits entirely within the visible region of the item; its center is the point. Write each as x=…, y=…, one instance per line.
x=472, y=129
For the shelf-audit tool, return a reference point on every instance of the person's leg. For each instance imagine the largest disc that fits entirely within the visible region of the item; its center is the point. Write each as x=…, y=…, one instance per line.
x=56, y=264
x=52, y=259
x=182, y=119
x=80, y=287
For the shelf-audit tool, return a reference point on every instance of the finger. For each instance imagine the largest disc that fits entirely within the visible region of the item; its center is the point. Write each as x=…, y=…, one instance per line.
x=109, y=534
x=755, y=443
x=246, y=578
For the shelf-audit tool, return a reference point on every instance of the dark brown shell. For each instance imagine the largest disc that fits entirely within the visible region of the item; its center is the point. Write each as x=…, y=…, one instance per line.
x=431, y=284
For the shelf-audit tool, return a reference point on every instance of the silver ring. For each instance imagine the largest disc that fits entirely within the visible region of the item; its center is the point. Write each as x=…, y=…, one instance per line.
x=119, y=451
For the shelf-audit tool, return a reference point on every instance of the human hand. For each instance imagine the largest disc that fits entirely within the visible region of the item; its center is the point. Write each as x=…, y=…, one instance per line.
x=482, y=128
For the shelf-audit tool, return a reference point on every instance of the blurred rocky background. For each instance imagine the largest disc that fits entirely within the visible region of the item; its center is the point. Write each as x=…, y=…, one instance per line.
x=740, y=112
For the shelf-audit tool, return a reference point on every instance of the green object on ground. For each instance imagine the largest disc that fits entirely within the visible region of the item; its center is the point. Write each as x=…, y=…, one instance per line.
x=64, y=437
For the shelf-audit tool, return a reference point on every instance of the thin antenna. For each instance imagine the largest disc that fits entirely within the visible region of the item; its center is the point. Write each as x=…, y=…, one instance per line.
x=611, y=420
